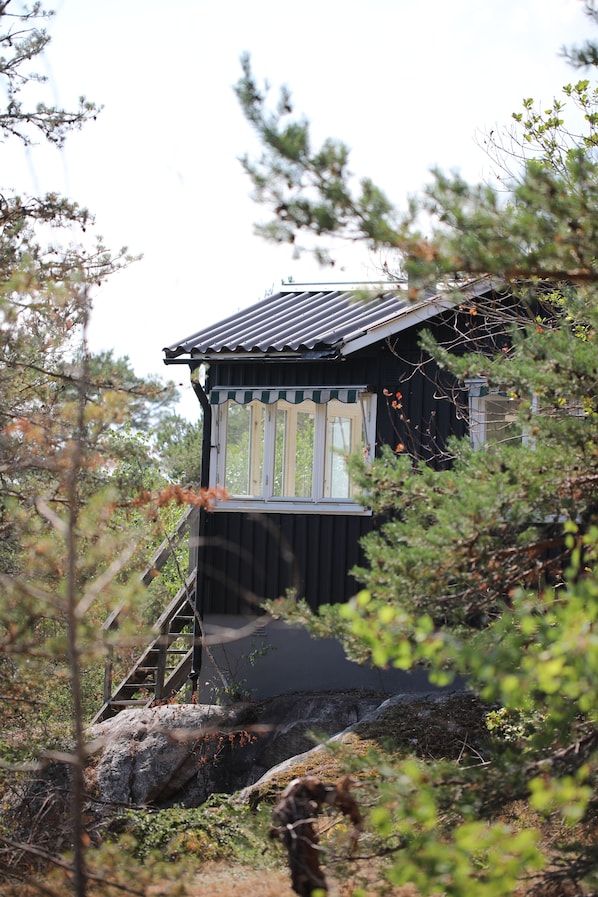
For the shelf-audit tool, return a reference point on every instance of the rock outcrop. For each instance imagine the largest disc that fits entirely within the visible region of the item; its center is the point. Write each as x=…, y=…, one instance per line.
x=181, y=754
x=435, y=726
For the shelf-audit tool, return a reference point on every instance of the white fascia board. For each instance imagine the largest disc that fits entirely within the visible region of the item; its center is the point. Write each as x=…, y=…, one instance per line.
x=418, y=313
x=406, y=319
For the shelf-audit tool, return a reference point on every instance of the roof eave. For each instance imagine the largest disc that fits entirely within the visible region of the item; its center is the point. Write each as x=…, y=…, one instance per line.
x=194, y=358
x=416, y=315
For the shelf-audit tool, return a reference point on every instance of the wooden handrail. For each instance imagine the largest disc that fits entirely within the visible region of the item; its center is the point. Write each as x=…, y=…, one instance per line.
x=156, y=563
x=158, y=560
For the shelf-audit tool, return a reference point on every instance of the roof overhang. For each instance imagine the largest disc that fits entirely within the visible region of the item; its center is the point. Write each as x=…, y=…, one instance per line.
x=417, y=313
x=330, y=344
x=195, y=358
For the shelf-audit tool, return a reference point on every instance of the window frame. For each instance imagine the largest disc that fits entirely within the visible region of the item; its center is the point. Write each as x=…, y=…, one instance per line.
x=479, y=395
x=317, y=501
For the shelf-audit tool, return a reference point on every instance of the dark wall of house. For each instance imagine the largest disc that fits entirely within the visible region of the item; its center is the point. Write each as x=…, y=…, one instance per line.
x=419, y=405
x=248, y=557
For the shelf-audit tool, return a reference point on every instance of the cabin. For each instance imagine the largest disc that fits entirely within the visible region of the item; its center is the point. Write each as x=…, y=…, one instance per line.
x=287, y=388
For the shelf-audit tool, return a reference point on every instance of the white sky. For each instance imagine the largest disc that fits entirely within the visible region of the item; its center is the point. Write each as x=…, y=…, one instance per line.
x=407, y=84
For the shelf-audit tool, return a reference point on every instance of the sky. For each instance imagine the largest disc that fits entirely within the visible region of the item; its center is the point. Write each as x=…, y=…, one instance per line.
x=407, y=84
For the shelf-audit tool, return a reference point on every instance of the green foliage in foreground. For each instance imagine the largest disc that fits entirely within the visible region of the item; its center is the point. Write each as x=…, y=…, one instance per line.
x=486, y=570
x=541, y=658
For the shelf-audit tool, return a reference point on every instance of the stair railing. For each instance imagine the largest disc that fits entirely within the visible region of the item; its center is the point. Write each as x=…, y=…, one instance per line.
x=186, y=525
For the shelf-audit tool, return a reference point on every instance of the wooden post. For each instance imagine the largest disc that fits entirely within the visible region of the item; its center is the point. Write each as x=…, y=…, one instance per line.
x=108, y=677
x=161, y=663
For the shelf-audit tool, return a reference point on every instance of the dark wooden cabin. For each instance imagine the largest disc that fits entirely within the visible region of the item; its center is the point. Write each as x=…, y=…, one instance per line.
x=306, y=372
x=287, y=387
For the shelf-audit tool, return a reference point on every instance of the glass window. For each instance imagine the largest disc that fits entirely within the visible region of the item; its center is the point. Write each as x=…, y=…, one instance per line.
x=343, y=437
x=284, y=450
x=244, y=449
x=501, y=419
x=493, y=416
x=294, y=449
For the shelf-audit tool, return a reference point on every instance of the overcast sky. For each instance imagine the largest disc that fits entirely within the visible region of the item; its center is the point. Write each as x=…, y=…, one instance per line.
x=407, y=84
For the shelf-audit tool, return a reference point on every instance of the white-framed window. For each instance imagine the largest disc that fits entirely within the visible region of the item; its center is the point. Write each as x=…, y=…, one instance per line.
x=287, y=448
x=493, y=415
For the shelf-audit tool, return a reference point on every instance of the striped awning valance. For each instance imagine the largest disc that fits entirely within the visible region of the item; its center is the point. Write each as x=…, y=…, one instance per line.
x=295, y=395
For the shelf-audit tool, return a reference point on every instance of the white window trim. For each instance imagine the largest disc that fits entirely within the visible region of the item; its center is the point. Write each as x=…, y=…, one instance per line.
x=478, y=394
x=317, y=504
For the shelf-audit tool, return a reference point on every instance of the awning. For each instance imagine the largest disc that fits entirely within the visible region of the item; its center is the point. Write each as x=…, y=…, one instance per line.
x=295, y=395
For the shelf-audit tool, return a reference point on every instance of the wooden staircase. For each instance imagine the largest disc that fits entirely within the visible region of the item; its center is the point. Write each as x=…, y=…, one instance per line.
x=164, y=665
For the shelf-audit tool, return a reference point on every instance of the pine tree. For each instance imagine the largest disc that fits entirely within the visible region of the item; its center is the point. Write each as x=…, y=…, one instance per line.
x=485, y=568
x=79, y=484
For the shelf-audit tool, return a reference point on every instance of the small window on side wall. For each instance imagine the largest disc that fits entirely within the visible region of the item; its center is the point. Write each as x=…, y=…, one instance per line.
x=493, y=416
x=294, y=451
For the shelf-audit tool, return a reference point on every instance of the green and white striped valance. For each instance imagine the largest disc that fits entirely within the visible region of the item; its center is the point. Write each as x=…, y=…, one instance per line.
x=295, y=395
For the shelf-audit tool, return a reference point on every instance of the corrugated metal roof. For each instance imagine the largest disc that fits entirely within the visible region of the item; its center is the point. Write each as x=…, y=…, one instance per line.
x=294, y=320
x=323, y=320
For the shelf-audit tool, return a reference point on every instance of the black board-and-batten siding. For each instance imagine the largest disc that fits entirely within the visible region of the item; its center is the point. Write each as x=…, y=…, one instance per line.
x=249, y=557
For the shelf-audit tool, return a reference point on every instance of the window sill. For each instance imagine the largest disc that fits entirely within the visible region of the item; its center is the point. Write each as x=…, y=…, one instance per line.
x=282, y=506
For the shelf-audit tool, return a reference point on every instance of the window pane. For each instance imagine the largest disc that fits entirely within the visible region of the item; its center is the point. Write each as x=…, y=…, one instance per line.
x=501, y=419
x=244, y=449
x=294, y=449
x=280, y=450
x=304, y=455
x=343, y=436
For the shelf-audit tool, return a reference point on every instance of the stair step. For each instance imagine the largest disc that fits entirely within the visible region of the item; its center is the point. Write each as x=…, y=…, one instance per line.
x=117, y=702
